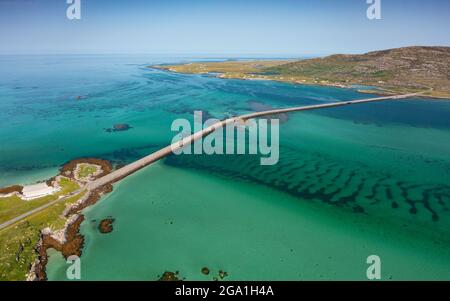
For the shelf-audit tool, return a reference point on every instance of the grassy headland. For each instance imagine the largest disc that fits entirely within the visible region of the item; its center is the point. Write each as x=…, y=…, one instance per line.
x=393, y=71
x=19, y=241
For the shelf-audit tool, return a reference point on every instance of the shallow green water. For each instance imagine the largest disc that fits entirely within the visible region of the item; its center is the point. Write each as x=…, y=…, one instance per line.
x=351, y=182
x=252, y=233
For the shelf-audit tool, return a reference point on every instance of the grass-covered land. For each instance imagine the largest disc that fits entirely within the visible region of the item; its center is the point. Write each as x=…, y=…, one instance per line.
x=13, y=206
x=228, y=67
x=18, y=241
x=396, y=71
x=86, y=170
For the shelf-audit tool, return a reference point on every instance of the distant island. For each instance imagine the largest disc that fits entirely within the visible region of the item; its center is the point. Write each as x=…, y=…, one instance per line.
x=392, y=71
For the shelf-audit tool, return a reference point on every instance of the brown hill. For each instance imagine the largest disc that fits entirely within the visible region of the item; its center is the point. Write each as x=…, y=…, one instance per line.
x=397, y=70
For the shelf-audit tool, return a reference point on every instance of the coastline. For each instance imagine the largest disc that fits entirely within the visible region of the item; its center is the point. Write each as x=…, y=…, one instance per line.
x=61, y=220
x=68, y=240
x=379, y=90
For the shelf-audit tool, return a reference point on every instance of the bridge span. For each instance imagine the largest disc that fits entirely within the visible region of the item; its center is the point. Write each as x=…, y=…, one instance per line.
x=131, y=168
x=166, y=151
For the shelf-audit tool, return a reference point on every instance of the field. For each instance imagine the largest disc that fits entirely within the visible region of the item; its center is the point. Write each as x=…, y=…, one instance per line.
x=13, y=206
x=86, y=170
x=19, y=241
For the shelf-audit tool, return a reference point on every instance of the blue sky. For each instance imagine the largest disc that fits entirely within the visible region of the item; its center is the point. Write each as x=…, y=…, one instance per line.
x=227, y=27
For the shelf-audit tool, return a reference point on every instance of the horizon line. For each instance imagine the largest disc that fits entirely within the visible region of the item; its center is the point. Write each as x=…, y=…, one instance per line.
x=214, y=54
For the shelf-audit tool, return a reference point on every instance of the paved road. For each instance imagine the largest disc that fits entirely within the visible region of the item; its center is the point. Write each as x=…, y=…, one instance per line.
x=164, y=152
x=36, y=210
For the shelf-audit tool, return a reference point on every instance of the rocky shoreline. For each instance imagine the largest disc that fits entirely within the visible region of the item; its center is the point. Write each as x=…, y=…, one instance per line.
x=69, y=168
x=68, y=240
x=11, y=189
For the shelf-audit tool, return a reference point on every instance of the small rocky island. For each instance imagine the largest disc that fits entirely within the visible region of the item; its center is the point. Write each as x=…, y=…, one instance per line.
x=170, y=276
x=119, y=127
x=106, y=225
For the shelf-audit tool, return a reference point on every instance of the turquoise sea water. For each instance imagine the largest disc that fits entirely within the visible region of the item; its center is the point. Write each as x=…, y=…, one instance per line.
x=351, y=182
